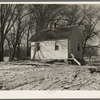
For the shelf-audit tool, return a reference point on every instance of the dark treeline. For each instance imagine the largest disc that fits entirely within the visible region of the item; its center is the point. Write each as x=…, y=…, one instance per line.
x=18, y=22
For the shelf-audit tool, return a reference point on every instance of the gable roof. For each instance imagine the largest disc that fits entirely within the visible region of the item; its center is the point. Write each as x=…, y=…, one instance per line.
x=58, y=33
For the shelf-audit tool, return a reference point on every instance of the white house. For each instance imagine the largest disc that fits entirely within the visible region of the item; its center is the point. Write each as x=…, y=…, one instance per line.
x=59, y=43
x=94, y=43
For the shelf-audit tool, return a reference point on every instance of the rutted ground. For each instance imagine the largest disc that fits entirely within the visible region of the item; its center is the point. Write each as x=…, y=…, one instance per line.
x=29, y=75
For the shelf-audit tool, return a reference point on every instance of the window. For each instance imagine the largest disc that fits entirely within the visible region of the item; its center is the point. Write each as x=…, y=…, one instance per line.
x=78, y=46
x=56, y=46
x=38, y=46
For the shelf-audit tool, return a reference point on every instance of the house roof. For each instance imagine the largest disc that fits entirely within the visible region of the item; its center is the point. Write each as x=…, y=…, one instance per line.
x=58, y=33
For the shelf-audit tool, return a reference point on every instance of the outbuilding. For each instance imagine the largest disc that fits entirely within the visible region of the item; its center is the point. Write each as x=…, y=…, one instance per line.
x=59, y=43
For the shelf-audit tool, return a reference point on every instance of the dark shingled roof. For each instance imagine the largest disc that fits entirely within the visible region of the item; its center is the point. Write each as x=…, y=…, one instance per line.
x=58, y=33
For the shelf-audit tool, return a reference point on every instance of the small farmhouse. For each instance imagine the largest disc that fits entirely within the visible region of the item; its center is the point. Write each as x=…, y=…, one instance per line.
x=93, y=44
x=60, y=43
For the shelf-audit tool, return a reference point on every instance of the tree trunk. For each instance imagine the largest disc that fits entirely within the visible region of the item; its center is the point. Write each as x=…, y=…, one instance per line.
x=28, y=51
x=1, y=36
x=1, y=47
x=10, y=52
x=84, y=46
x=18, y=52
x=13, y=52
x=35, y=51
x=1, y=51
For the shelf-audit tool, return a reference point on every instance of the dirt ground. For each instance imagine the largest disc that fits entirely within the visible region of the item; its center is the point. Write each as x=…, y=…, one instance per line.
x=33, y=75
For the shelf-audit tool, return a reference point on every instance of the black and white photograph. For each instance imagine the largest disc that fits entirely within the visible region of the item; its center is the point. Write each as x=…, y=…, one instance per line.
x=49, y=47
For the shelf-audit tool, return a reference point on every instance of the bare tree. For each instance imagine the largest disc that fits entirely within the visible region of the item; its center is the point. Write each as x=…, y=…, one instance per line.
x=30, y=32
x=44, y=14
x=17, y=32
x=90, y=22
x=71, y=15
x=7, y=20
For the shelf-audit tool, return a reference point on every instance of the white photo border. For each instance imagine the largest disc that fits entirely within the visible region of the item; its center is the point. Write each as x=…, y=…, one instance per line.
x=73, y=94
